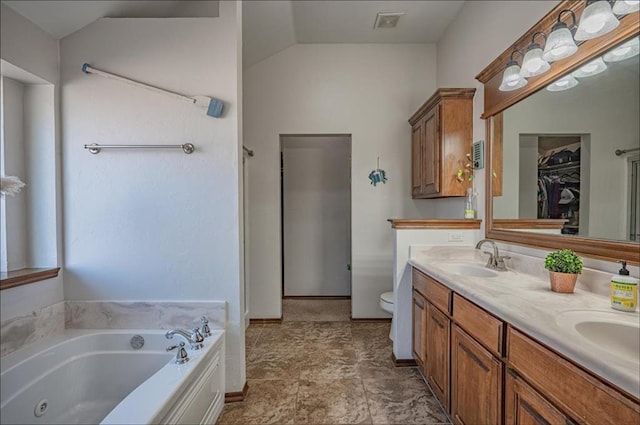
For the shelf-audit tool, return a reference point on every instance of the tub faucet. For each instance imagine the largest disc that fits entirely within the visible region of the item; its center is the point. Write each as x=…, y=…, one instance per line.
x=206, y=332
x=495, y=261
x=194, y=337
x=181, y=355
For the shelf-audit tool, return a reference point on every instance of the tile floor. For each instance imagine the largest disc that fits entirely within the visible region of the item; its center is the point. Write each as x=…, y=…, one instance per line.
x=329, y=372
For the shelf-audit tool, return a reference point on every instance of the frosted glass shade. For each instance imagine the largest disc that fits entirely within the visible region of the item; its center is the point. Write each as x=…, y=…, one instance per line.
x=597, y=19
x=511, y=79
x=560, y=44
x=624, y=51
x=594, y=67
x=622, y=7
x=564, y=83
x=533, y=64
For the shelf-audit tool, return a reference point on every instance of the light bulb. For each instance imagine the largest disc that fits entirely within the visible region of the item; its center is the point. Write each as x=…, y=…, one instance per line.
x=622, y=7
x=597, y=19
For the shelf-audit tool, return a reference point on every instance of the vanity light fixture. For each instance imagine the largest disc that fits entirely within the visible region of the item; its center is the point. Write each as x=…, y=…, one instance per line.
x=623, y=7
x=560, y=43
x=594, y=67
x=511, y=79
x=533, y=64
x=597, y=19
x=625, y=51
x=564, y=83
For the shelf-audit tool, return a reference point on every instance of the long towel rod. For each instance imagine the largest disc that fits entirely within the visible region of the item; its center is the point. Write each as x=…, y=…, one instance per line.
x=621, y=152
x=248, y=151
x=95, y=148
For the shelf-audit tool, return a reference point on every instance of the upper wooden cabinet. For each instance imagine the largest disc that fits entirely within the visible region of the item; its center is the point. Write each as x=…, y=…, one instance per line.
x=441, y=137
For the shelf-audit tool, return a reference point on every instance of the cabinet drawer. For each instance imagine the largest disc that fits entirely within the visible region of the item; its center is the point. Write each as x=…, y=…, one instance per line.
x=585, y=398
x=434, y=292
x=481, y=325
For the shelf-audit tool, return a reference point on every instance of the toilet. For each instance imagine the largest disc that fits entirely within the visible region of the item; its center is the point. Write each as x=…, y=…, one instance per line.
x=386, y=303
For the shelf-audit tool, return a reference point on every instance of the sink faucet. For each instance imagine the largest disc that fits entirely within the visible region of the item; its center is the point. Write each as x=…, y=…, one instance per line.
x=495, y=262
x=194, y=337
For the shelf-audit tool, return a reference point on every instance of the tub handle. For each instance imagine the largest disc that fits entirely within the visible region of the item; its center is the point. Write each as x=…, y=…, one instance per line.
x=181, y=355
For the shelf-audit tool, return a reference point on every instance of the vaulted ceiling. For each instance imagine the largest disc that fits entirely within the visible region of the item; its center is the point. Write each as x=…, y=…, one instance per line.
x=268, y=26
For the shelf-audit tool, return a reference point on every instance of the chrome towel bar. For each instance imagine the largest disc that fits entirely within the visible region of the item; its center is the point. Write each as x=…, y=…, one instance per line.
x=621, y=152
x=95, y=148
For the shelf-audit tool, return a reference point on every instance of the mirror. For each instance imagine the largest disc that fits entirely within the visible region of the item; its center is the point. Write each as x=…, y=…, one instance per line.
x=536, y=136
x=559, y=156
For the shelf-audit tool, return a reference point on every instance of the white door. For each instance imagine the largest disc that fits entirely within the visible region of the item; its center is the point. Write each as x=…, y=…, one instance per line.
x=316, y=215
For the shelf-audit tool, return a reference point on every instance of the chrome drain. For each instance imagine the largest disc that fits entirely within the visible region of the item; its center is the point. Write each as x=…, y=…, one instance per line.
x=41, y=407
x=137, y=341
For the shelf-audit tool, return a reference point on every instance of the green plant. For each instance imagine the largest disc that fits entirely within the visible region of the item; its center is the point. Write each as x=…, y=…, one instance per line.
x=563, y=261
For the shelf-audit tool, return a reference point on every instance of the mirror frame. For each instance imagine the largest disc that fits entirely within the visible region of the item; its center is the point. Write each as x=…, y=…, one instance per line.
x=496, y=101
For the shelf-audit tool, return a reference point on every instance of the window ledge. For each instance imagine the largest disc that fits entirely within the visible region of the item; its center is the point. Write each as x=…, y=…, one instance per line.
x=24, y=276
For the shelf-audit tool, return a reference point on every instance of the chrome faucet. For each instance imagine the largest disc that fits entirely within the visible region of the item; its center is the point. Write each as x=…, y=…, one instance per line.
x=495, y=261
x=181, y=355
x=194, y=337
x=206, y=332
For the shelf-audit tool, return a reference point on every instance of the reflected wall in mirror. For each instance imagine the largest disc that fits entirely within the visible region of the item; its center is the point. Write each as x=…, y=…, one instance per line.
x=534, y=132
x=559, y=154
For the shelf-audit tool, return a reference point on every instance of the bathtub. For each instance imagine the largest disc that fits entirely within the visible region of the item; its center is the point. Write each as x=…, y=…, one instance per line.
x=95, y=376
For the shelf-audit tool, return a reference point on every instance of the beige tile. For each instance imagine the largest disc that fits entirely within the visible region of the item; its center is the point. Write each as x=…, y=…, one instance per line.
x=316, y=310
x=267, y=363
x=267, y=402
x=329, y=364
x=402, y=401
x=331, y=402
x=251, y=335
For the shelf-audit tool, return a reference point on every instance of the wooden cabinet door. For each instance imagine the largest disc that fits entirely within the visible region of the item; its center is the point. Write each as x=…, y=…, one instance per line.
x=419, y=329
x=438, y=360
x=431, y=153
x=524, y=406
x=417, y=145
x=476, y=382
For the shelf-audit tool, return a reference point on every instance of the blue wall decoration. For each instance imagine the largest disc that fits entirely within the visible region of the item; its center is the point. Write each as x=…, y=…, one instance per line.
x=378, y=176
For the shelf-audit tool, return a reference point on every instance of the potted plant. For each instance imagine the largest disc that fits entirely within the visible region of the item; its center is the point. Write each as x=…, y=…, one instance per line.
x=564, y=267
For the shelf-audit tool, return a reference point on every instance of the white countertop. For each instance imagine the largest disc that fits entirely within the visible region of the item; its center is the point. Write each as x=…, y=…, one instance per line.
x=527, y=302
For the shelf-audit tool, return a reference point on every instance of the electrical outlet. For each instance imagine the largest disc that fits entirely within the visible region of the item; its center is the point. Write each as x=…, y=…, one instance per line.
x=456, y=237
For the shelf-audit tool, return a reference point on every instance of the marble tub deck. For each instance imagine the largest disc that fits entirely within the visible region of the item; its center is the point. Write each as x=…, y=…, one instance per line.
x=329, y=373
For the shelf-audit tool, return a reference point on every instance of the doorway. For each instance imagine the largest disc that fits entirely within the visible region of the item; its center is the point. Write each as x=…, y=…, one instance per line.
x=316, y=215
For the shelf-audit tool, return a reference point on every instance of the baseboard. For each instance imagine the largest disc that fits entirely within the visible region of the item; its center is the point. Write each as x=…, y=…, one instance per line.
x=403, y=362
x=318, y=297
x=237, y=396
x=264, y=321
x=375, y=320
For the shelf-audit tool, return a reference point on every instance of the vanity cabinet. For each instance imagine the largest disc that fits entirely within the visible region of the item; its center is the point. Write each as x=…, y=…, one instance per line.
x=484, y=371
x=437, y=365
x=419, y=328
x=476, y=382
x=431, y=340
x=441, y=137
x=526, y=406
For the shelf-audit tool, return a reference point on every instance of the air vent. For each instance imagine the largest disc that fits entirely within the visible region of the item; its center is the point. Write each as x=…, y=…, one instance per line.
x=387, y=19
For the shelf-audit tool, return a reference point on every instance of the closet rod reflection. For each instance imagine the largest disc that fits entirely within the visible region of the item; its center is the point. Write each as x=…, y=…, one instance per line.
x=621, y=152
x=95, y=148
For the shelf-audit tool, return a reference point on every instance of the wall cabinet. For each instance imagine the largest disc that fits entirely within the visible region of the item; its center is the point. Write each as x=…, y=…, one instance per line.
x=441, y=137
x=464, y=351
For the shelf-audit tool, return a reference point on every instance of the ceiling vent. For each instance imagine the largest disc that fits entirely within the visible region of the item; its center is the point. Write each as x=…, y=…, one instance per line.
x=387, y=19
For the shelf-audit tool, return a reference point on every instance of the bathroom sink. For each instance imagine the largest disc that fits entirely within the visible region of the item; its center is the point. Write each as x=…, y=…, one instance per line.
x=616, y=333
x=467, y=269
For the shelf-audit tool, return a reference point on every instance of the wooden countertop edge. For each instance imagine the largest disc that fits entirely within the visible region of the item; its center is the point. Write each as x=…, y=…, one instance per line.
x=546, y=223
x=24, y=276
x=462, y=223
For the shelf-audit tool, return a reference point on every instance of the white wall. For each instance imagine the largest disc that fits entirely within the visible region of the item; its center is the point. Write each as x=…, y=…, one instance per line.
x=26, y=46
x=13, y=159
x=482, y=31
x=368, y=91
x=149, y=224
x=317, y=218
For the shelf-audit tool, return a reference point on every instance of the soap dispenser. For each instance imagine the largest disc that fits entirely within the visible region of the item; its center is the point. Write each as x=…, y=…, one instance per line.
x=624, y=290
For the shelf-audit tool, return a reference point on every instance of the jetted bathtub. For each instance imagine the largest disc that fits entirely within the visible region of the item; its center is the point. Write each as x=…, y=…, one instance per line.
x=96, y=376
